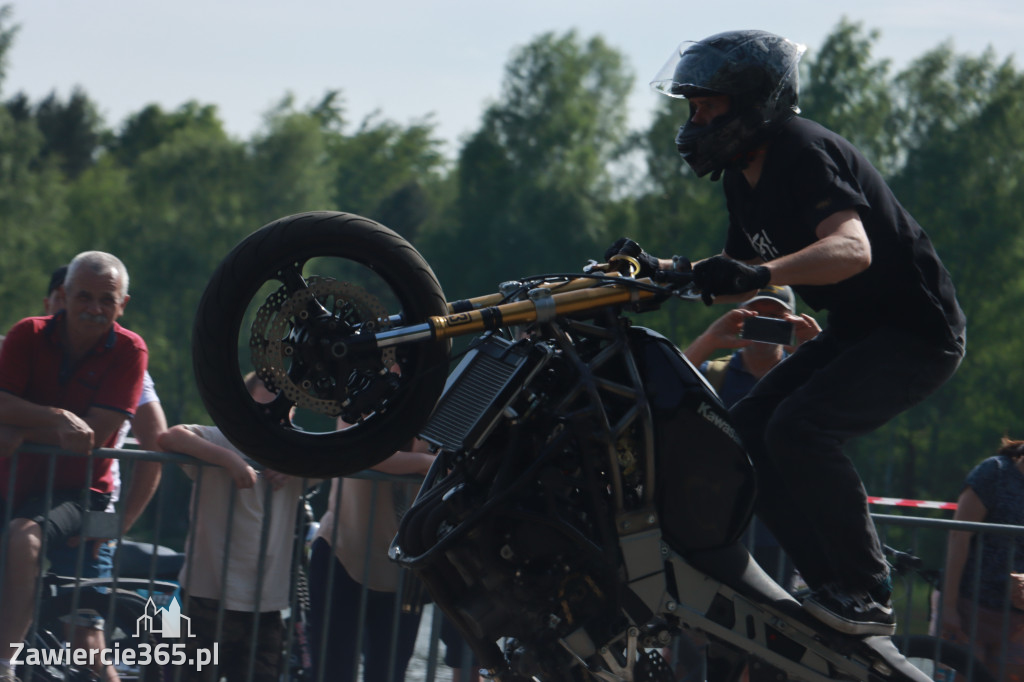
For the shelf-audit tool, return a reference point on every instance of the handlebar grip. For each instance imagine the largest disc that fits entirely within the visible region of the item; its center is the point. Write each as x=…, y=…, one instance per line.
x=674, y=277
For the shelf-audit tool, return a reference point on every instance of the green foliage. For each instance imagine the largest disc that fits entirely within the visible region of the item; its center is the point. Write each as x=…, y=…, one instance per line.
x=71, y=131
x=534, y=181
x=964, y=123
x=845, y=91
x=290, y=166
x=32, y=215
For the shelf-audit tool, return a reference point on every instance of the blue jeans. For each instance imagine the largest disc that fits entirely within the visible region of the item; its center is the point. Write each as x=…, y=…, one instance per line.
x=64, y=559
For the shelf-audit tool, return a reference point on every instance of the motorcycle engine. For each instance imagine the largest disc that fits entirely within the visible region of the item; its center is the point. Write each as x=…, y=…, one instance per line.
x=512, y=535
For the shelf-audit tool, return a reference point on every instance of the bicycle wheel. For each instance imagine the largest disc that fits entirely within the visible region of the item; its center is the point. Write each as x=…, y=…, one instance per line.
x=313, y=290
x=941, y=660
x=121, y=612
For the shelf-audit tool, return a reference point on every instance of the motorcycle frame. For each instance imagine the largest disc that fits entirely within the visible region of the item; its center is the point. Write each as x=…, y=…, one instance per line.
x=760, y=616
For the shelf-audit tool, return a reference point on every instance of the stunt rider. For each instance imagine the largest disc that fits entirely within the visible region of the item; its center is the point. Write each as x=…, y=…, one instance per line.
x=806, y=209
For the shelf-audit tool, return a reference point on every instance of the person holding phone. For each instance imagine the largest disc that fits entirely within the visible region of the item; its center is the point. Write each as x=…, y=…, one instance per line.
x=734, y=375
x=807, y=209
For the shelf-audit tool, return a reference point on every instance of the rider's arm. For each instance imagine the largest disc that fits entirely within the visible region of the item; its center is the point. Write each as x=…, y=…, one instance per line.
x=969, y=508
x=841, y=251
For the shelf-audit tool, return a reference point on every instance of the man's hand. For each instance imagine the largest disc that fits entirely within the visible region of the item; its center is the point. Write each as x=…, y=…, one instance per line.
x=627, y=247
x=805, y=328
x=725, y=331
x=74, y=434
x=722, y=333
x=720, y=275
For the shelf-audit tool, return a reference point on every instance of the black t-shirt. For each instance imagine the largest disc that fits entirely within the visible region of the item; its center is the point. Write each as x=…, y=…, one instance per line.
x=809, y=174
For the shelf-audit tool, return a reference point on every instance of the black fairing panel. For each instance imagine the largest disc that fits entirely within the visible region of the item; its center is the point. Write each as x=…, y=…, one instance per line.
x=707, y=489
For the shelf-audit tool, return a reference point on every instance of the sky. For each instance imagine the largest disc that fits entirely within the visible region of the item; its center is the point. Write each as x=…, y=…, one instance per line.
x=410, y=59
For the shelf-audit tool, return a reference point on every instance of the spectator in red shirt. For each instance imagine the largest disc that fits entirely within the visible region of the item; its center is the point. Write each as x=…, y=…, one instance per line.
x=68, y=380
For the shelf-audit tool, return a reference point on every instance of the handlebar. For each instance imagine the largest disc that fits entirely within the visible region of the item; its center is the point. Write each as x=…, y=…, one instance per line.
x=538, y=300
x=904, y=563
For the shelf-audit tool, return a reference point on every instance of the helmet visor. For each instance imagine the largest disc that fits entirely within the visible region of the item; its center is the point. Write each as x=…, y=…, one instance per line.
x=759, y=65
x=690, y=70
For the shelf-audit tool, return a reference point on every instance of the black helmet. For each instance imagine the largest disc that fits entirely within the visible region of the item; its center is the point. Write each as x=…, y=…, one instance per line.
x=757, y=69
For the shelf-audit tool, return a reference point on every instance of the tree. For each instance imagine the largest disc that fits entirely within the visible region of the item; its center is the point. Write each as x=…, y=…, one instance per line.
x=184, y=203
x=292, y=168
x=72, y=131
x=846, y=91
x=381, y=158
x=964, y=123
x=32, y=205
x=153, y=126
x=534, y=182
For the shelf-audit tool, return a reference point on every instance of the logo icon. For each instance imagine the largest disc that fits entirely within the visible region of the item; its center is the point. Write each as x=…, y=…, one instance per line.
x=162, y=621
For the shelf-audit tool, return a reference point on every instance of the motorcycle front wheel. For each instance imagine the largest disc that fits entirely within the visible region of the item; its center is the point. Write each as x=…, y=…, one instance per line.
x=296, y=305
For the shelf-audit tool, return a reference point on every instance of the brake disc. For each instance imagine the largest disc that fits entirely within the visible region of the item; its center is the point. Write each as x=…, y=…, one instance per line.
x=272, y=343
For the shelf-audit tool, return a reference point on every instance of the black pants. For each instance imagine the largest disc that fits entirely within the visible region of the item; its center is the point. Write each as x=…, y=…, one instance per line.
x=794, y=424
x=340, y=617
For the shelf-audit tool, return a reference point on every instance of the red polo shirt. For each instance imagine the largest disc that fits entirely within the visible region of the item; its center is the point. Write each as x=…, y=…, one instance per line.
x=32, y=367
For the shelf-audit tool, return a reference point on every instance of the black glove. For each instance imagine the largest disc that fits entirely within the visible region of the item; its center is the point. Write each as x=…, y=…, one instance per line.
x=721, y=275
x=627, y=247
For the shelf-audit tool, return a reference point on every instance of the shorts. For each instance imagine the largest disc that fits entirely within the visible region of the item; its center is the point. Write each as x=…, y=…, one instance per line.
x=62, y=522
x=989, y=636
x=233, y=642
x=63, y=518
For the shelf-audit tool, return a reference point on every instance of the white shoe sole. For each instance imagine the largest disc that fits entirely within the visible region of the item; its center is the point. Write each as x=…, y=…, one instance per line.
x=846, y=626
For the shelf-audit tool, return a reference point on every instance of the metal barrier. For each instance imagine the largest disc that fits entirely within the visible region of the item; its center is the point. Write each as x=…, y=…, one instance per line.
x=923, y=536
x=428, y=658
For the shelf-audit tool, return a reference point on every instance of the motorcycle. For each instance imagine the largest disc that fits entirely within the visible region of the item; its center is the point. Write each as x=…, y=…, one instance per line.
x=586, y=503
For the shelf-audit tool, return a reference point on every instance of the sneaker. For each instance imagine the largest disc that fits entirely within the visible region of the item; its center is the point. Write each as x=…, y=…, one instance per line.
x=855, y=614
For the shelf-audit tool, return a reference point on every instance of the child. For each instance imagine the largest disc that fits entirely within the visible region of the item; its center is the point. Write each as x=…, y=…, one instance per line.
x=355, y=531
x=230, y=505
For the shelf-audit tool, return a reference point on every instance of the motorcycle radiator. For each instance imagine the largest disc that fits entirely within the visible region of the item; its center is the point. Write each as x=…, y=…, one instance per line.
x=480, y=390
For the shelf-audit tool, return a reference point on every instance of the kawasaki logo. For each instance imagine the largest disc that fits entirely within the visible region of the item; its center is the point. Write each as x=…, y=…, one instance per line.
x=718, y=421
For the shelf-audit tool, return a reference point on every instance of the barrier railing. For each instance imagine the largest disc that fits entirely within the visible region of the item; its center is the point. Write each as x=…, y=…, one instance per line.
x=917, y=534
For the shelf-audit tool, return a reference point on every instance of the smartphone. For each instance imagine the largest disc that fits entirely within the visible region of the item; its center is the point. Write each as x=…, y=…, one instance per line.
x=768, y=330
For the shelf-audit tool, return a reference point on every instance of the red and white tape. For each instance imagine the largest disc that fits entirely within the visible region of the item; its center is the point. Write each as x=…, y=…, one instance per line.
x=919, y=504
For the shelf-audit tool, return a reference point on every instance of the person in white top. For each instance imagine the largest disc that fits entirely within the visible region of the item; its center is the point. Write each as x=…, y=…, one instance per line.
x=239, y=551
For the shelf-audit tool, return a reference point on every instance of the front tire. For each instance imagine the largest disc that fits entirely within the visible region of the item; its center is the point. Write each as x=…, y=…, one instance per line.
x=307, y=285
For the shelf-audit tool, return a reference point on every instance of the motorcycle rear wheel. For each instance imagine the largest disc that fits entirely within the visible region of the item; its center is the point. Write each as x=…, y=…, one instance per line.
x=304, y=285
